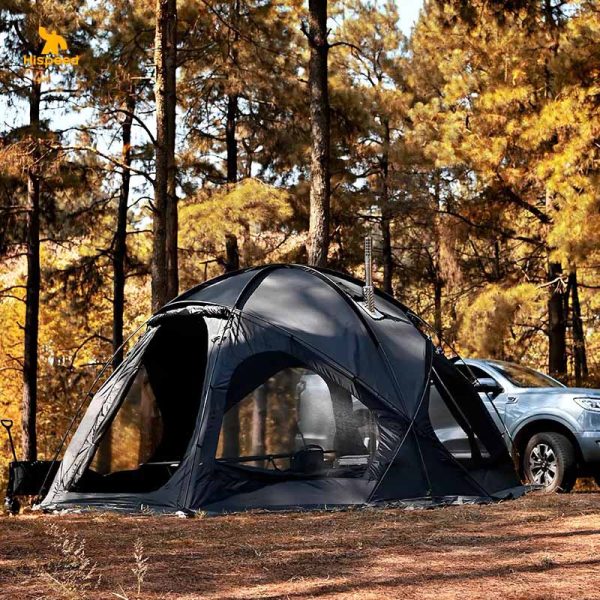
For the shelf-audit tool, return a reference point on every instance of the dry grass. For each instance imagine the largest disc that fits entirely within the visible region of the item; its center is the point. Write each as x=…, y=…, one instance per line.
x=538, y=547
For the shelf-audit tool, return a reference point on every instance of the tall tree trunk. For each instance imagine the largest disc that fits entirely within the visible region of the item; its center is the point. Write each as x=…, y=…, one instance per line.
x=120, y=241
x=438, y=280
x=165, y=227
x=231, y=419
x=230, y=138
x=557, y=324
x=32, y=296
x=557, y=315
x=386, y=234
x=318, y=232
x=231, y=432
x=259, y=420
x=233, y=260
x=386, y=252
x=231, y=144
x=497, y=264
x=437, y=302
x=232, y=256
x=119, y=258
x=579, y=351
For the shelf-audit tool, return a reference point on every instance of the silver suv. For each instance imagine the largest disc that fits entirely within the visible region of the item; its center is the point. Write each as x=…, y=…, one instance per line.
x=553, y=430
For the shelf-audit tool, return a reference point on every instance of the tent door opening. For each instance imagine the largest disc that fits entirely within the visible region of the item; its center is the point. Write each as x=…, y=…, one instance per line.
x=145, y=440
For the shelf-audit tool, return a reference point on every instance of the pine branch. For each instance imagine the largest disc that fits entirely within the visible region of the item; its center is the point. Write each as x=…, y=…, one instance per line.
x=112, y=160
x=139, y=121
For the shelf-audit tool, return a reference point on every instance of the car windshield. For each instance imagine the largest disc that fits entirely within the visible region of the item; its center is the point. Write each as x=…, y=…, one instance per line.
x=524, y=376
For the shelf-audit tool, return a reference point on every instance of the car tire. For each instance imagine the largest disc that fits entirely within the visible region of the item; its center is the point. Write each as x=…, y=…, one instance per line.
x=549, y=460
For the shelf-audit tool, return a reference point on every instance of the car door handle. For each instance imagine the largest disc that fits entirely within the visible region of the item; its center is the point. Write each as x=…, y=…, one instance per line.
x=512, y=400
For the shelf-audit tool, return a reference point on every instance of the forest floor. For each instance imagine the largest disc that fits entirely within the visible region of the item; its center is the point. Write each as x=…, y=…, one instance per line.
x=538, y=547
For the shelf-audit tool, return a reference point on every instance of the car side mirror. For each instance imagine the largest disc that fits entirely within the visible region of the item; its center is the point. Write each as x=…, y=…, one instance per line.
x=487, y=385
x=361, y=417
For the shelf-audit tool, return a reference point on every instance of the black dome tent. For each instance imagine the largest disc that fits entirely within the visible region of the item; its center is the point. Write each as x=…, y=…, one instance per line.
x=278, y=387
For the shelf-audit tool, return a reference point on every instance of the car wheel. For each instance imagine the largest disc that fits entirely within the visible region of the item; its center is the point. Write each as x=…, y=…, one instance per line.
x=549, y=460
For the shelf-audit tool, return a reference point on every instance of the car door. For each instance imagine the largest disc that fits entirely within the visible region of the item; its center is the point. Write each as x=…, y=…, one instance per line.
x=495, y=403
x=448, y=431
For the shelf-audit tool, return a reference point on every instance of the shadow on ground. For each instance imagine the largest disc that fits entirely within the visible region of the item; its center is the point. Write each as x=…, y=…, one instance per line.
x=538, y=547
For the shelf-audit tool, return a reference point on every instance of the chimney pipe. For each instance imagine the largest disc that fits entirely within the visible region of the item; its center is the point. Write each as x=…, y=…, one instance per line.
x=368, y=294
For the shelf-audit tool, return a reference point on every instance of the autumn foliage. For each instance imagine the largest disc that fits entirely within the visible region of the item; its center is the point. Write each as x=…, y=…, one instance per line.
x=470, y=150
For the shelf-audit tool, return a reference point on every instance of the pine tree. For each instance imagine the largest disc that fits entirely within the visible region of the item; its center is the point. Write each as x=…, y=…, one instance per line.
x=165, y=276
x=318, y=84
x=488, y=79
x=23, y=22
x=370, y=59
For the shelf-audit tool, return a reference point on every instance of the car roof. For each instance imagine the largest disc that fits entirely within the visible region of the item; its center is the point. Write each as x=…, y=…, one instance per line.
x=485, y=361
x=492, y=362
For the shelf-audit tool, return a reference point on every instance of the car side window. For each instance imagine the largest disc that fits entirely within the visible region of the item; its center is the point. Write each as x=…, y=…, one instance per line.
x=470, y=371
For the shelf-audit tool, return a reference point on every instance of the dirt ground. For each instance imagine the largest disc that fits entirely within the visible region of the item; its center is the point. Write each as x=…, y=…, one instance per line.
x=538, y=547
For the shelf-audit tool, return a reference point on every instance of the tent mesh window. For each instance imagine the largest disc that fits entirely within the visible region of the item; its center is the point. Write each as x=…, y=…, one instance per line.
x=451, y=425
x=129, y=456
x=148, y=436
x=297, y=422
x=446, y=426
x=134, y=433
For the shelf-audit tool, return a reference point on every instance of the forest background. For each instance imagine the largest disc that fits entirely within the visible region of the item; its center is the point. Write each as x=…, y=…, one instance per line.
x=195, y=137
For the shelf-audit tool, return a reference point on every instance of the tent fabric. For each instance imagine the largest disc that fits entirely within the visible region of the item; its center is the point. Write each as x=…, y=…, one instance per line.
x=99, y=412
x=213, y=345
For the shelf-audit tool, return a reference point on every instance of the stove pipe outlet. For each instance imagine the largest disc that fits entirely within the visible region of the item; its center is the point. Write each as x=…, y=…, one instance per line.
x=368, y=294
